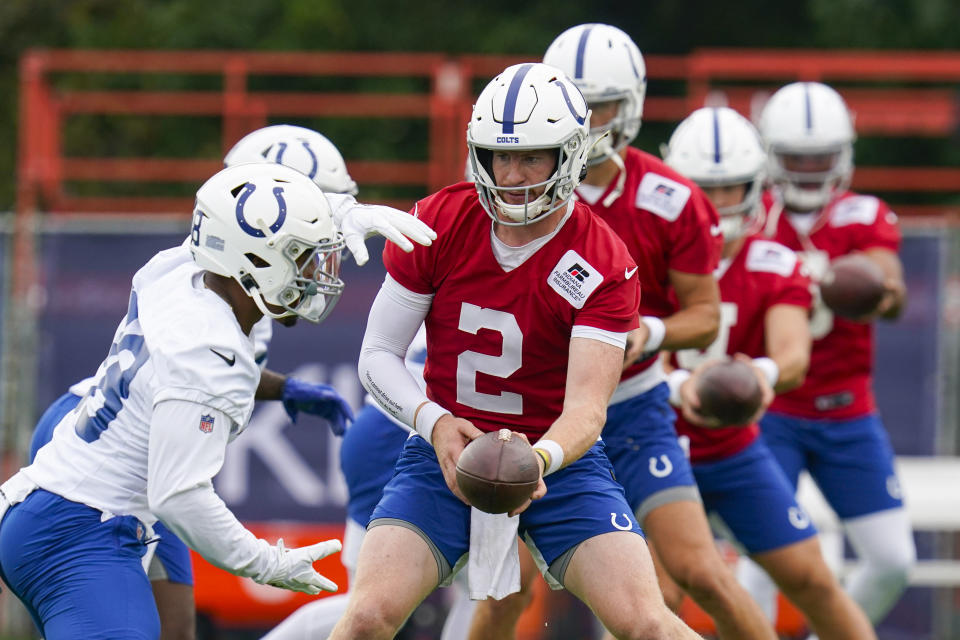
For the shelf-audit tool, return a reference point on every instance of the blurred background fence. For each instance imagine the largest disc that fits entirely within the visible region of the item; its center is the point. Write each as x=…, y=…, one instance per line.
x=105, y=177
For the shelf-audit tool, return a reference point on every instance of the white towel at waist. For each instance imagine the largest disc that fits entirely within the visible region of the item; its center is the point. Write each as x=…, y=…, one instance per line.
x=493, y=569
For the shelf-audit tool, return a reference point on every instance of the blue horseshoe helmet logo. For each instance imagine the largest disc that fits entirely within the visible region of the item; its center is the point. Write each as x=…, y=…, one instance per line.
x=248, y=189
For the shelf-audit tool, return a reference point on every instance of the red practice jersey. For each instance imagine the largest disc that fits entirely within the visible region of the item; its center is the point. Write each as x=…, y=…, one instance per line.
x=839, y=383
x=667, y=223
x=762, y=275
x=498, y=341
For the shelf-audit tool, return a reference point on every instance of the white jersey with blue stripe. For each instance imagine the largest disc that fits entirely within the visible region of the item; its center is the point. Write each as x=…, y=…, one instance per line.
x=178, y=341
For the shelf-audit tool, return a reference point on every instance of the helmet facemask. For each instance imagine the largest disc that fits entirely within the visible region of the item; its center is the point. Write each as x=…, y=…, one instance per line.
x=745, y=218
x=557, y=189
x=315, y=287
x=610, y=138
x=811, y=190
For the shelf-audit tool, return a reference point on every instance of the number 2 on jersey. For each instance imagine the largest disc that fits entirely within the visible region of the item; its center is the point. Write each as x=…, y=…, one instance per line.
x=470, y=363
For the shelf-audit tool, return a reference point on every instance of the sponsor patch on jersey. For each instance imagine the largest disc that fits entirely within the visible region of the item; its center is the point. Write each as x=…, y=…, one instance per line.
x=206, y=423
x=574, y=279
x=771, y=257
x=662, y=196
x=855, y=210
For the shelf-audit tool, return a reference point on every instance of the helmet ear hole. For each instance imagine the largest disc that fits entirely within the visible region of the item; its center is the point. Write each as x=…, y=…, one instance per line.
x=485, y=159
x=257, y=261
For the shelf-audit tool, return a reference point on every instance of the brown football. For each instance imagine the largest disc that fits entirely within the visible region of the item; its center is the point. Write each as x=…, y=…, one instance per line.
x=498, y=471
x=730, y=392
x=853, y=285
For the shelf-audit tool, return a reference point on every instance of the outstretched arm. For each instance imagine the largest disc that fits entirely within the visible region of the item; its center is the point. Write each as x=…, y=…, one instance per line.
x=186, y=449
x=357, y=222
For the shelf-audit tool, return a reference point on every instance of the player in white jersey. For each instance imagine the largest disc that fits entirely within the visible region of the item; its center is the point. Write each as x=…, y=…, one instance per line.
x=168, y=561
x=177, y=385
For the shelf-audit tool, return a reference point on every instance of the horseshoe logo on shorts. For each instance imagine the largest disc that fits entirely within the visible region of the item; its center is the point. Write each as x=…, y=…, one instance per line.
x=798, y=517
x=661, y=472
x=613, y=521
x=893, y=488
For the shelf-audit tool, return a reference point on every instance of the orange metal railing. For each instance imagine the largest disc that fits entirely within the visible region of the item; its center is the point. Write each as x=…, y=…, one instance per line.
x=894, y=94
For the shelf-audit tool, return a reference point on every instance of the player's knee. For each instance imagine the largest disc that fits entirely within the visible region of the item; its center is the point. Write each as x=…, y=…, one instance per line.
x=892, y=572
x=894, y=564
x=371, y=622
x=809, y=583
x=706, y=579
x=649, y=624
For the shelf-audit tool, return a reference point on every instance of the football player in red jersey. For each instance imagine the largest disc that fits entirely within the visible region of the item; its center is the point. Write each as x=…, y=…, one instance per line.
x=765, y=301
x=673, y=234
x=830, y=424
x=527, y=318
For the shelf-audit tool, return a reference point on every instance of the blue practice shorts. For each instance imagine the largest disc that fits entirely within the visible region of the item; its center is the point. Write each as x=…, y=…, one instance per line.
x=368, y=456
x=170, y=552
x=642, y=444
x=582, y=501
x=750, y=494
x=79, y=577
x=851, y=460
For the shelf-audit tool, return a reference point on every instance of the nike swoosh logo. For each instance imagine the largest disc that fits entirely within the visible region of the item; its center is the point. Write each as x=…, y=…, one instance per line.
x=229, y=361
x=714, y=229
x=628, y=273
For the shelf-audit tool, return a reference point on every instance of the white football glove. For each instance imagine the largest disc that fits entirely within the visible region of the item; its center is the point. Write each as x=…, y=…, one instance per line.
x=295, y=570
x=361, y=221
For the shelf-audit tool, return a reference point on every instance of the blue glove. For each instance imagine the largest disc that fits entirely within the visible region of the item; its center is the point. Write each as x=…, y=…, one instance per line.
x=319, y=400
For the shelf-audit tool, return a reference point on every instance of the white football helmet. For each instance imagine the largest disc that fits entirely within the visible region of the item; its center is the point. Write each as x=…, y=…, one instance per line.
x=606, y=65
x=269, y=227
x=303, y=149
x=529, y=106
x=808, y=119
x=716, y=146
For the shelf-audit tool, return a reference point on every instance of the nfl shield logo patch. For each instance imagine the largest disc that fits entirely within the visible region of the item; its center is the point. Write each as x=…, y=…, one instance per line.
x=206, y=423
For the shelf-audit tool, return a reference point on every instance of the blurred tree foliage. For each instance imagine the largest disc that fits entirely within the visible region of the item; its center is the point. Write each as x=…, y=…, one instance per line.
x=494, y=26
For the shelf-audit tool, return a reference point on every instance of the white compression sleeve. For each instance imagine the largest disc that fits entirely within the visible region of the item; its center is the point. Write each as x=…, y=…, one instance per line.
x=313, y=620
x=394, y=319
x=182, y=462
x=885, y=549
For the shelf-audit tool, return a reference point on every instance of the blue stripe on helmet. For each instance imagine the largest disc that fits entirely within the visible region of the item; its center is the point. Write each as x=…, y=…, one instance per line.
x=566, y=96
x=809, y=110
x=313, y=159
x=716, y=135
x=581, y=48
x=510, y=106
x=633, y=65
x=283, y=149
